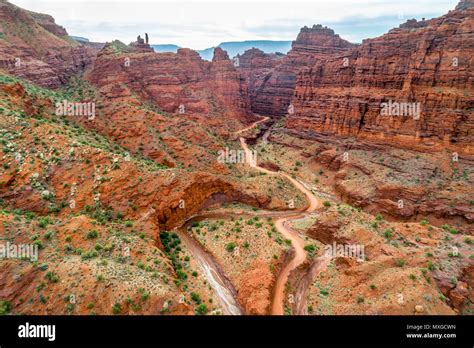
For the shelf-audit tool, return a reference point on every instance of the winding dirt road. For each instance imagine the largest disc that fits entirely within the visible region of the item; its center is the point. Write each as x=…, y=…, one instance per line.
x=280, y=224
x=223, y=288
x=253, y=125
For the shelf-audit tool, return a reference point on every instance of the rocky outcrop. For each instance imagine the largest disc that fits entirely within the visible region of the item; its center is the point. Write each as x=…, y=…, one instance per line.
x=401, y=183
x=142, y=45
x=230, y=88
x=458, y=289
x=272, y=93
x=428, y=65
x=48, y=23
x=34, y=47
x=255, y=288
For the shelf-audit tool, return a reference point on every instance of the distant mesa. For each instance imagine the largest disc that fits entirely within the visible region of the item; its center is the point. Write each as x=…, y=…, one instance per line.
x=79, y=38
x=164, y=48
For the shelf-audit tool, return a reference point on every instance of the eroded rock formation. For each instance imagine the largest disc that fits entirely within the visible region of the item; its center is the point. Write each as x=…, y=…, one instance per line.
x=175, y=82
x=141, y=45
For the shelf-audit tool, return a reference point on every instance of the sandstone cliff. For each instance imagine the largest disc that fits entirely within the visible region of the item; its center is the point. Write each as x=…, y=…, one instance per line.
x=255, y=65
x=427, y=64
x=273, y=93
x=180, y=83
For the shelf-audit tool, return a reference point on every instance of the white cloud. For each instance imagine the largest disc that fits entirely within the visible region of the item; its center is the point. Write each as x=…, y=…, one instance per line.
x=199, y=24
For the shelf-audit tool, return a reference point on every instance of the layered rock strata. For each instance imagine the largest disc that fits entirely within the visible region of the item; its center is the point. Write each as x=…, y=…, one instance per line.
x=411, y=87
x=272, y=94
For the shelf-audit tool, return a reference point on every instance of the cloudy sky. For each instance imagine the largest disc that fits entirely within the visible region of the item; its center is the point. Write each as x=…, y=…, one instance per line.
x=202, y=24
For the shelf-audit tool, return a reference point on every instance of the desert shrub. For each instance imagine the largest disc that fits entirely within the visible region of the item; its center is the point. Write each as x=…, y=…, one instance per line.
x=388, y=234
x=431, y=266
x=201, y=309
x=52, y=277
x=145, y=296
x=116, y=308
x=400, y=262
x=43, y=221
x=92, y=234
x=424, y=222
x=196, y=298
x=5, y=307
x=230, y=246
